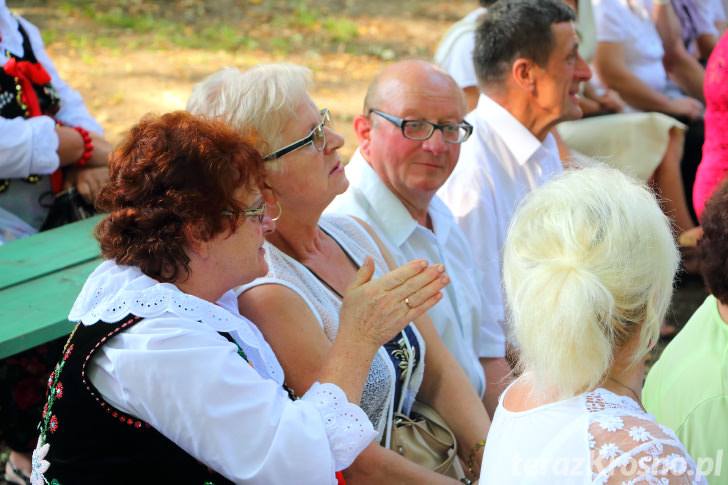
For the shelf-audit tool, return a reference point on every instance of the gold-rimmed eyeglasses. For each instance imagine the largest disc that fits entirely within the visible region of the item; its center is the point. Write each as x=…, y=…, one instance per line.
x=255, y=214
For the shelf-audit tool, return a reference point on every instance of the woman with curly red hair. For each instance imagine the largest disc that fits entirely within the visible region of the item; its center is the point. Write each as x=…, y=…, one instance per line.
x=163, y=381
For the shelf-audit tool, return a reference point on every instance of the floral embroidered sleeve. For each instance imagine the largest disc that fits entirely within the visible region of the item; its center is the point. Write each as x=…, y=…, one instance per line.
x=628, y=447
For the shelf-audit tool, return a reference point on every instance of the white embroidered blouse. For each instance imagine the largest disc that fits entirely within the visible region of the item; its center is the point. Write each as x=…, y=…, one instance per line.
x=177, y=373
x=378, y=396
x=594, y=438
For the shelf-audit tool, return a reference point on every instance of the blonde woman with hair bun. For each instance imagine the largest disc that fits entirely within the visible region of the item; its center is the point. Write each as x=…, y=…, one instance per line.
x=588, y=267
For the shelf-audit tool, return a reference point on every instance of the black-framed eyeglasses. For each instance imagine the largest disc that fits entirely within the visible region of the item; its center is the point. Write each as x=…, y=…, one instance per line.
x=317, y=138
x=256, y=214
x=421, y=130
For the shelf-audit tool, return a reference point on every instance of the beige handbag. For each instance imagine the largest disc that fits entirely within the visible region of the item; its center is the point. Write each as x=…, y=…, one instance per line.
x=425, y=439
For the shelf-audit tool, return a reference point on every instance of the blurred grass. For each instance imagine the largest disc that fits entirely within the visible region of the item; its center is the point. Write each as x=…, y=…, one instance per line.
x=160, y=25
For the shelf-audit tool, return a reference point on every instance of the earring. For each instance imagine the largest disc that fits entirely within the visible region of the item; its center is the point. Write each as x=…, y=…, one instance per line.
x=280, y=211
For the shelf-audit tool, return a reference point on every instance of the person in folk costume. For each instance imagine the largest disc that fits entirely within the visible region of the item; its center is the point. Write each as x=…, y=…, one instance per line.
x=48, y=142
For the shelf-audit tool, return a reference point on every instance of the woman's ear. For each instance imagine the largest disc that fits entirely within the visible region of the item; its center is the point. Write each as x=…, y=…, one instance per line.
x=269, y=194
x=195, y=244
x=271, y=199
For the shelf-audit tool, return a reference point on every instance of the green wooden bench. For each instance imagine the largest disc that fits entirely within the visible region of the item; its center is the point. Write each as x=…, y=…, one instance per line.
x=40, y=278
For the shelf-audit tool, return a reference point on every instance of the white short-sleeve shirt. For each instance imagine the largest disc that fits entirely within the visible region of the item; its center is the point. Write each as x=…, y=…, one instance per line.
x=498, y=165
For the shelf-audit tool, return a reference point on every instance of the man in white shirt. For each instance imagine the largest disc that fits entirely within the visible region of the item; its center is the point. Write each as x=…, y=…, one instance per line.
x=409, y=142
x=529, y=82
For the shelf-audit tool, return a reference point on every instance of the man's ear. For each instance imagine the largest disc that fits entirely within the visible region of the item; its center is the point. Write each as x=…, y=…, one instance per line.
x=363, y=129
x=523, y=72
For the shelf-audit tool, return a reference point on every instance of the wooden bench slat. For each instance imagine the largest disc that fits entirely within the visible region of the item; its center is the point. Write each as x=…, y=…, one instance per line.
x=36, y=311
x=48, y=251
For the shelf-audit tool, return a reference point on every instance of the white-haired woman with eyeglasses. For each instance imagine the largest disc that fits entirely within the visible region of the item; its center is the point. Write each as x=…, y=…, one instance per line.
x=588, y=267
x=313, y=258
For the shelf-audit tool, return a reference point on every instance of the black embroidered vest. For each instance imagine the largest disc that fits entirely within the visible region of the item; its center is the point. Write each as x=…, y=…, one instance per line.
x=91, y=442
x=11, y=104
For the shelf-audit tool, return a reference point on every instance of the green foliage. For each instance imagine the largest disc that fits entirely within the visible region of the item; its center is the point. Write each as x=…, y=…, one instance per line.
x=343, y=30
x=132, y=24
x=305, y=16
x=117, y=19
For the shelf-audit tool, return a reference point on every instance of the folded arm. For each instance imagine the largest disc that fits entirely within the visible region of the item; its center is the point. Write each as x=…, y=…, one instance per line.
x=610, y=64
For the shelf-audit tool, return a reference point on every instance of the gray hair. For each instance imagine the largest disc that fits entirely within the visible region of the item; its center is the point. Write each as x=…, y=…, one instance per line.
x=263, y=98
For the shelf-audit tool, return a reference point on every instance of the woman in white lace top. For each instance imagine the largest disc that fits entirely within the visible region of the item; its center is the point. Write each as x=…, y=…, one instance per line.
x=588, y=267
x=163, y=381
x=312, y=260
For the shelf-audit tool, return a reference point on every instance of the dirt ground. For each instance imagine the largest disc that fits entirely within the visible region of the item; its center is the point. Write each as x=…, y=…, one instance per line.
x=125, y=72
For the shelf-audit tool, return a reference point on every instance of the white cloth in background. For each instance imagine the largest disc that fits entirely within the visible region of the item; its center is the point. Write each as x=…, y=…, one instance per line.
x=177, y=373
x=643, y=51
x=378, y=396
x=458, y=317
x=715, y=7
x=12, y=227
x=708, y=13
x=498, y=165
x=581, y=441
x=635, y=143
x=454, y=54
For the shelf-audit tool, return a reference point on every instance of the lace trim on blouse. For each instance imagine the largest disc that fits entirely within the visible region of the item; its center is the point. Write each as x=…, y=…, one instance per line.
x=342, y=419
x=628, y=446
x=114, y=291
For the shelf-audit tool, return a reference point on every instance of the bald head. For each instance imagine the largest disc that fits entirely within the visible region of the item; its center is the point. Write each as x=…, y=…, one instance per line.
x=410, y=76
x=412, y=166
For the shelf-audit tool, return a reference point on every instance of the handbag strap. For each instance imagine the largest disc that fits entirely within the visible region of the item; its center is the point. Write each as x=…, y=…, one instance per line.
x=387, y=256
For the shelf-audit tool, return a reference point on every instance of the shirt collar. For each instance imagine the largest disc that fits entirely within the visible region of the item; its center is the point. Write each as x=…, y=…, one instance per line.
x=388, y=212
x=521, y=142
x=114, y=291
x=442, y=219
x=390, y=215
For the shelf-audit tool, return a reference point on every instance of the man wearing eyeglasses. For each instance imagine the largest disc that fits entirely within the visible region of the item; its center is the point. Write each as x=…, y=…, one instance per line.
x=409, y=142
x=529, y=70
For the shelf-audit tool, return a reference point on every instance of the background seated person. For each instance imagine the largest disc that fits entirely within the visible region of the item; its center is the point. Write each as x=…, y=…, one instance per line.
x=713, y=166
x=629, y=59
x=43, y=125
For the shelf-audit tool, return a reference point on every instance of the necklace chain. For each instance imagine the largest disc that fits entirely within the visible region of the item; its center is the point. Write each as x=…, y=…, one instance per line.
x=639, y=401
